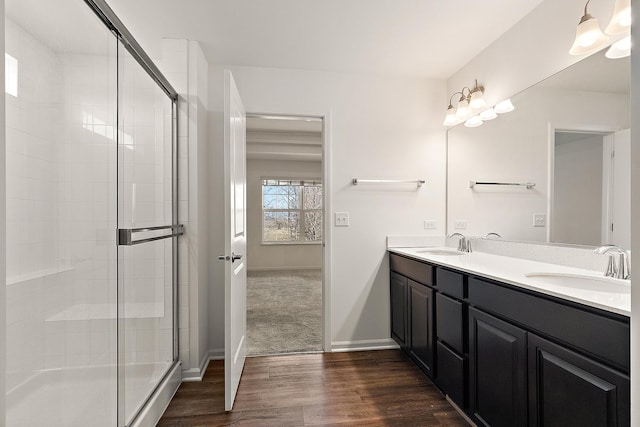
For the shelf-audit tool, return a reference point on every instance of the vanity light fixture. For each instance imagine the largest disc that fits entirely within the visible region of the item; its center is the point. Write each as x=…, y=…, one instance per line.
x=621, y=20
x=589, y=36
x=471, y=102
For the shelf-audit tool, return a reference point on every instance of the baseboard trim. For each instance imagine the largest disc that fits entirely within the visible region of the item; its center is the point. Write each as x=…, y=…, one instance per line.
x=460, y=411
x=196, y=374
x=305, y=267
x=364, y=345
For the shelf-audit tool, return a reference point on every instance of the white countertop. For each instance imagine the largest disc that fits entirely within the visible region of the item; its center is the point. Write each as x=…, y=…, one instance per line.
x=513, y=271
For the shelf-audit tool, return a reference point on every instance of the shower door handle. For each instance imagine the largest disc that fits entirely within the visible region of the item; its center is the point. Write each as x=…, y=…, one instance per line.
x=124, y=236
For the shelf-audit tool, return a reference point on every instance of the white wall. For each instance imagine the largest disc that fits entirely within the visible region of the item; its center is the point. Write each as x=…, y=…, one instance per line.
x=185, y=66
x=515, y=148
x=378, y=127
x=285, y=256
x=577, y=191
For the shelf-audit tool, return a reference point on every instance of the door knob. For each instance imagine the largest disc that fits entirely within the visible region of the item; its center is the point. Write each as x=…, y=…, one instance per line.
x=223, y=258
x=235, y=257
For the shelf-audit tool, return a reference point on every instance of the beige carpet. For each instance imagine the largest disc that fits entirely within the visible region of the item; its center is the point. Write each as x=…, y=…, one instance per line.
x=284, y=311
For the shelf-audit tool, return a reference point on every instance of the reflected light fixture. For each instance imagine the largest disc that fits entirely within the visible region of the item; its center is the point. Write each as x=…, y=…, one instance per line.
x=504, y=106
x=473, y=122
x=488, y=114
x=620, y=49
x=589, y=36
x=621, y=20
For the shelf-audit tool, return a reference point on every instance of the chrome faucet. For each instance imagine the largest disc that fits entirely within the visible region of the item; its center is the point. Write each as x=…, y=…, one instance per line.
x=620, y=270
x=492, y=234
x=464, y=244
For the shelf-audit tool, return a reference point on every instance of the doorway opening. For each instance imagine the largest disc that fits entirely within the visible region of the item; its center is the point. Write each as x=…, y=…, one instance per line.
x=285, y=212
x=590, y=188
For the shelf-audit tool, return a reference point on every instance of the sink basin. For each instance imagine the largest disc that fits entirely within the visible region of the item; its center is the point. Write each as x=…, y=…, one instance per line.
x=588, y=283
x=435, y=251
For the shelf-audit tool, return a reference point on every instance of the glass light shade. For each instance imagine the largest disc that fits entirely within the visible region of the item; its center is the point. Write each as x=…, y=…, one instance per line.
x=463, y=109
x=450, y=119
x=620, y=49
x=621, y=20
x=589, y=37
x=477, y=101
x=473, y=122
x=504, y=106
x=488, y=114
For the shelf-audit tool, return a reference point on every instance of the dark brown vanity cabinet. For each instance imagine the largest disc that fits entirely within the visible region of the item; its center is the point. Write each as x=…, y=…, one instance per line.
x=451, y=313
x=412, y=304
x=566, y=389
x=421, y=325
x=497, y=371
x=508, y=356
x=399, y=286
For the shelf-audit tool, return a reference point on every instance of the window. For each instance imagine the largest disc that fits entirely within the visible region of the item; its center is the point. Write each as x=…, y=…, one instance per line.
x=291, y=211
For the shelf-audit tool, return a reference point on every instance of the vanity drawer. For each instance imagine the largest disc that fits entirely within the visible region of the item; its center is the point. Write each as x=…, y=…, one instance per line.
x=416, y=270
x=449, y=322
x=451, y=374
x=450, y=283
x=599, y=335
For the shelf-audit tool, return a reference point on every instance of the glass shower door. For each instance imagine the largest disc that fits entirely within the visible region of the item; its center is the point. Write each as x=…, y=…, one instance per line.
x=146, y=218
x=61, y=279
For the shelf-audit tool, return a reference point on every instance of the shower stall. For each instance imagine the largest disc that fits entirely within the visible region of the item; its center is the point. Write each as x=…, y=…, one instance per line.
x=92, y=223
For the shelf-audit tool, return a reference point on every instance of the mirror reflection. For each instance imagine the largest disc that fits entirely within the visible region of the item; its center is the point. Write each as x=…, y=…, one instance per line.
x=569, y=136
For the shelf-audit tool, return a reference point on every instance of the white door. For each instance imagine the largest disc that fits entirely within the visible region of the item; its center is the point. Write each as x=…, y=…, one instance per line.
x=235, y=292
x=621, y=192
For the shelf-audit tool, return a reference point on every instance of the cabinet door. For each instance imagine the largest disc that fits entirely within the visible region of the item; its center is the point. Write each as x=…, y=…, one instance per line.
x=497, y=371
x=568, y=389
x=399, y=309
x=421, y=326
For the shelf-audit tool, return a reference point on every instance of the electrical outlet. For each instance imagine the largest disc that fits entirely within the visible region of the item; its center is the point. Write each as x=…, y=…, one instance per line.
x=460, y=224
x=539, y=220
x=430, y=224
x=342, y=219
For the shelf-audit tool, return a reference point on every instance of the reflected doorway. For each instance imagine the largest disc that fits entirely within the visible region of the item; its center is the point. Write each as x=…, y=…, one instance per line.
x=285, y=211
x=590, y=188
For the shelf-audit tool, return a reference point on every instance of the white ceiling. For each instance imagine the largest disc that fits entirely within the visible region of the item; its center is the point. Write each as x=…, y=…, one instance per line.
x=284, y=138
x=425, y=38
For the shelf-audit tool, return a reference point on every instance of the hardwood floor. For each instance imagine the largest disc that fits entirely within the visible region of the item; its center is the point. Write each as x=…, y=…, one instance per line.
x=372, y=388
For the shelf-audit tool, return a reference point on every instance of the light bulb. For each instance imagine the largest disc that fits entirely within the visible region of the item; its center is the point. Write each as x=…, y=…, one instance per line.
x=589, y=37
x=463, y=109
x=621, y=20
x=504, y=106
x=488, y=114
x=473, y=122
x=620, y=49
x=477, y=101
x=450, y=118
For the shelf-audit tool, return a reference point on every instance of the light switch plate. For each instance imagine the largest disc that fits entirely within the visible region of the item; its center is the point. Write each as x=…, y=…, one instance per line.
x=430, y=224
x=539, y=220
x=460, y=224
x=342, y=219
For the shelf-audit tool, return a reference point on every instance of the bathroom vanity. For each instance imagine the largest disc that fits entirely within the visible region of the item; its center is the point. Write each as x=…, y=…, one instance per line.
x=514, y=342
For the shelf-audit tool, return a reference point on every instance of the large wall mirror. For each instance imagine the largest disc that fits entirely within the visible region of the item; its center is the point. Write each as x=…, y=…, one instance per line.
x=569, y=136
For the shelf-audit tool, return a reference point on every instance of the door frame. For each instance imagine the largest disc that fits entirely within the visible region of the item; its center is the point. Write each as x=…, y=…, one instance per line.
x=326, y=214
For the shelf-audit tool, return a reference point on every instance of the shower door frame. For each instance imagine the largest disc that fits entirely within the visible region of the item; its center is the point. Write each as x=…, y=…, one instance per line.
x=111, y=20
